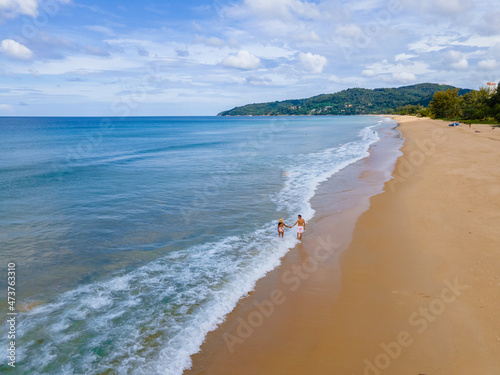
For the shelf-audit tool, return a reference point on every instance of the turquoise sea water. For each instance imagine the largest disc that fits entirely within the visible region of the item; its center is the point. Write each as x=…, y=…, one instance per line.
x=133, y=238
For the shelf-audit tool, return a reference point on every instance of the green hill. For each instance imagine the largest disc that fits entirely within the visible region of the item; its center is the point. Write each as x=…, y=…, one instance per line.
x=355, y=101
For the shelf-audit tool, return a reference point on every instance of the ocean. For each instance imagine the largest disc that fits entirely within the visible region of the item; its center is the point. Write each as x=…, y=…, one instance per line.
x=132, y=238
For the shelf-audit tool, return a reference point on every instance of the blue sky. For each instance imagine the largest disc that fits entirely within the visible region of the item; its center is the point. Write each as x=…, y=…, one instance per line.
x=193, y=57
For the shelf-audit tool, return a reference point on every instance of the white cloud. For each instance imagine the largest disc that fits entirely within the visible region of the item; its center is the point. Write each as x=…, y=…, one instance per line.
x=211, y=41
x=306, y=36
x=15, y=50
x=490, y=24
x=368, y=73
x=349, y=31
x=344, y=80
x=449, y=7
x=288, y=20
x=489, y=64
x=259, y=81
x=461, y=64
x=456, y=60
x=441, y=7
x=404, y=56
x=6, y=108
x=312, y=63
x=404, y=77
x=13, y=8
x=283, y=9
x=243, y=60
x=334, y=79
x=432, y=43
x=476, y=41
x=81, y=64
x=384, y=67
x=366, y=5
x=269, y=51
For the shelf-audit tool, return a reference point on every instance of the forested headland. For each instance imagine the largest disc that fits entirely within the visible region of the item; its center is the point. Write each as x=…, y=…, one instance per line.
x=354, y=101
x=424, y=99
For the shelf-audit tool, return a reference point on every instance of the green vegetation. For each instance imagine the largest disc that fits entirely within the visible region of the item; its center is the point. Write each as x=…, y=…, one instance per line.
x=476, y=106
x=425, y=99
x=354, y=101
x=446, y=104
x=485, y=122
x=410, y=109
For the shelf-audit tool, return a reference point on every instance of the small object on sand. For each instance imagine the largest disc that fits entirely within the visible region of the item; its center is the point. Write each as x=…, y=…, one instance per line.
x=477, y=131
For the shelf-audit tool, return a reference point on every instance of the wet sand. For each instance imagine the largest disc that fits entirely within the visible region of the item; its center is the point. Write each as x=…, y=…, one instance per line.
x=409, y=287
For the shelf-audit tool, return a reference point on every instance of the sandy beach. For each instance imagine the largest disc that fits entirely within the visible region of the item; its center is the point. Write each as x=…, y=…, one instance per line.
x=410, y=287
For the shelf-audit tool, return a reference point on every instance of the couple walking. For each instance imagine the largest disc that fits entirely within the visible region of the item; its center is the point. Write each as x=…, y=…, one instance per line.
x=301, y=225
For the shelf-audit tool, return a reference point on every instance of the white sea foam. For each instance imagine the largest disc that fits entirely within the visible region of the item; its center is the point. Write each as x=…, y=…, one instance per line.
x=315, y=168
x=151, y=320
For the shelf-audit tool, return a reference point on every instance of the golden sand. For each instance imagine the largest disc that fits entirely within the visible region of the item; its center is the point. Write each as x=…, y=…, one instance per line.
x=417, y=290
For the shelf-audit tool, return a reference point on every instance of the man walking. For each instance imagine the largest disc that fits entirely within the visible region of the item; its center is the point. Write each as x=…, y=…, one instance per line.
x=301, y=225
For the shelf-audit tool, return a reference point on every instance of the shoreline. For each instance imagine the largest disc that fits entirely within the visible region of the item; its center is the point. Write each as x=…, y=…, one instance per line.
x=338, y=203
x=415, y=291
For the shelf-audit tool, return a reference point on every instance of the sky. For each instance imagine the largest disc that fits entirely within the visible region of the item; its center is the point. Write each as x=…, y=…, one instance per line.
x=193, y=57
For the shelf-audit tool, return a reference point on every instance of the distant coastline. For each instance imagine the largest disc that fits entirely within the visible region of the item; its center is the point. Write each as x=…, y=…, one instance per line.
x=353, y=101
